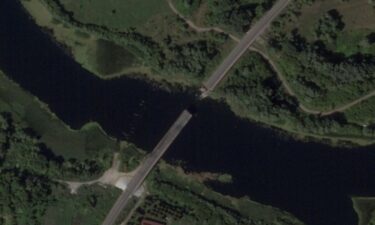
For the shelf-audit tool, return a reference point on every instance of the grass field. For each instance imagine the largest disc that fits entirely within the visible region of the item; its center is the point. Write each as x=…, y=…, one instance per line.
x=88, y=207
x=117, y=14
x=57, y=136
x=355, y=15
x=363, y=113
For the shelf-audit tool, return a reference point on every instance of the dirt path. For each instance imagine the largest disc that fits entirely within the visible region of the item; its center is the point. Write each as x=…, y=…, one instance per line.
x=349, y=105
x=290, y=91
x=112, y=177
x=283, y=80
x=198, y=28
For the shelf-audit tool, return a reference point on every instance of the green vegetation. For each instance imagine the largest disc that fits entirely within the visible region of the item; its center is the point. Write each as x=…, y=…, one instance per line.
x=163, y=42
x=130, y=156
x=236, y=15
x=365, y=208
x=89, y=206
x=328, y=60
x=179, y=199
x=253, y=90
x=62, y=140
x=29, y=171
x=187, y=7
x=329, y=25
x=330, y=63
x=114, y=14
x=363, y=113
x=31, y=190
x=30, y=194
x=111, y=58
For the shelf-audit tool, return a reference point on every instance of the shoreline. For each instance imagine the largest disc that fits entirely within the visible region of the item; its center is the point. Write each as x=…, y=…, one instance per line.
x=171, y=87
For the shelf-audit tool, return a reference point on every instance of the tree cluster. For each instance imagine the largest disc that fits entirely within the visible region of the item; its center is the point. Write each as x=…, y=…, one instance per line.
x=329, y=25
x=29, y=172
x=237, y=15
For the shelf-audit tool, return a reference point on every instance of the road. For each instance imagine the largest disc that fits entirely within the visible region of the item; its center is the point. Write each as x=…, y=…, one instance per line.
x=185, y=116
x=211, y=83
x=146, y=167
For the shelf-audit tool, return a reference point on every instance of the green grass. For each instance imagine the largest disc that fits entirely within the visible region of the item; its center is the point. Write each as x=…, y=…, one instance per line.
x=58, y=137
x=111, y=58
x=363, y=113
x=179, y=199
x=186, y=9
x=163, y=47
x=130, y=156
x=88, y=207
x=117, y=14
x=324, y=83
x=352, y=42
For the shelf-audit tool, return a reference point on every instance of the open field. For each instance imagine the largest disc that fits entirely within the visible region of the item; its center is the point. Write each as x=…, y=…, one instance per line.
x=91, y=139
x=116, y=14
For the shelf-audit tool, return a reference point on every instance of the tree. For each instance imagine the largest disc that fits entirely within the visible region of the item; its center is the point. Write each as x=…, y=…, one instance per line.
x=329, y=25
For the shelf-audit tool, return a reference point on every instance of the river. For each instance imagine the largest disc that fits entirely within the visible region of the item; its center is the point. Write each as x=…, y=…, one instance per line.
x=312, y=181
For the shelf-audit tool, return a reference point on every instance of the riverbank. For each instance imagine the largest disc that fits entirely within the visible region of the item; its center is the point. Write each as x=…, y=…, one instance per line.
x=36, y=114
x=296, y=124
x=364, y=207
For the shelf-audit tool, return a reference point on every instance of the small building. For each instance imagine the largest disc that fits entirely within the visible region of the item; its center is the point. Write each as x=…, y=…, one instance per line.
x=150, y=222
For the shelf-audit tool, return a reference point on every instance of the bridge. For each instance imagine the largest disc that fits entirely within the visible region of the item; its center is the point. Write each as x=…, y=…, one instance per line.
x=208, y=86
x=146, y=167
x=219, y=74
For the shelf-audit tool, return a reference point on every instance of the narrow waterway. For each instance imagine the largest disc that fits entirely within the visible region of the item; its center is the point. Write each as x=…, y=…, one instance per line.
x=312, y=181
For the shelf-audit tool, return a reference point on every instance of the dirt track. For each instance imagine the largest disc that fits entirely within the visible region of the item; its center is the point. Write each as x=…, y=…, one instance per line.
x=283, y=80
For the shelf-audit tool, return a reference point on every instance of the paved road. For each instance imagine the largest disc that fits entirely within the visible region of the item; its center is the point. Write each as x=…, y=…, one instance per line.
x=147, y=166
x=211, y=83
x=185, y=116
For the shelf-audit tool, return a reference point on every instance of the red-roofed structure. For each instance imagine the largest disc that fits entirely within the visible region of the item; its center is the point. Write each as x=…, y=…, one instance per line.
x=150, y=222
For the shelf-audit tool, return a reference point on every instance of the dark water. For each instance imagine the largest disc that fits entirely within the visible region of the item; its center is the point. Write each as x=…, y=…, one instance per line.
x=124, y=107
x=312, y=181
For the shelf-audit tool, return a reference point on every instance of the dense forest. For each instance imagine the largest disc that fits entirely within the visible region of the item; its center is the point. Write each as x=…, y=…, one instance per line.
x=253, y=89
x=234, y=15
x=29, y=173
x=323, y=76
